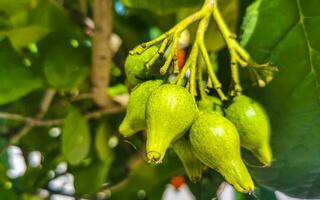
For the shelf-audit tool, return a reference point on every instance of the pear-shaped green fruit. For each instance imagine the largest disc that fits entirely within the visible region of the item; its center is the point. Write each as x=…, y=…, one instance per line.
x=210, y=104
x=253, y=126
x=135, y=69
x=135, y=119
x=216, y=143
x=170, y=112
x=191, y=164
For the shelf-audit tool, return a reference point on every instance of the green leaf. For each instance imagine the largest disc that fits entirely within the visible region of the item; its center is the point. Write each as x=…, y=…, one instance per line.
x=76, y=137
x=17, y=80
x=8, y=194
x=31, y=197
x=53, y=16
x=89, y=179
x=9, y=6
x=102, y=146
x=208, y=186
x=117, y=89
x=33, y=142
x=259, y=193
x=65, y=66
x=22, y=37
x=286, y=32
x=150, y=178
x=161, y=7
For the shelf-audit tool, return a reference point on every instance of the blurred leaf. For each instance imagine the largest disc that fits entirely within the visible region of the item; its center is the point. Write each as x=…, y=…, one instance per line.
x=51, y=15
x=76, y=137
x=65, y=66
x=8, y=194
x=32, y=178
x=33, y=142
x=89, y=179
x=161, y=7
x=10, y=6
x=150, y=178
x=3, y=173
x=102, y=146
x=117, y=89
x=34, y=20
x=129, y=32
x=22, y=37
x=17, y=80
x=259, y=193
x=208, y=186
x=38, y=176
x=286, y=33
x=31, y=197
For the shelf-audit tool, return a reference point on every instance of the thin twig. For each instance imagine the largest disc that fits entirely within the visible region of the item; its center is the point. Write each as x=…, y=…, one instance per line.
x=17, y=117
x=54, y=122
x=82, y=96
x=43, y=108
x=203, y=93
x=203, y=25
x=46, y=102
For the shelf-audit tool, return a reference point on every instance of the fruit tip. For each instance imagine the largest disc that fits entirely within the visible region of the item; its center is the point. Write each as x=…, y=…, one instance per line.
x=267, y=164
x=125, y=130
x=250, y=190
x=264, y=155
x=154, y=157
x=195, y=179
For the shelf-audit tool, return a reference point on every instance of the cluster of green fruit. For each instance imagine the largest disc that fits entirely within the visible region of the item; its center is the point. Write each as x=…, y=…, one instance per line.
x=202, y=132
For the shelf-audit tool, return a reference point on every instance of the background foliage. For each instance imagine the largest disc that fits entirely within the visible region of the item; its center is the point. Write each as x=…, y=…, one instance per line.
x=45, y=49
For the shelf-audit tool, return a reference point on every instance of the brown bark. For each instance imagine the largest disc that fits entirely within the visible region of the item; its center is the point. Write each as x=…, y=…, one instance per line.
x=101, y=51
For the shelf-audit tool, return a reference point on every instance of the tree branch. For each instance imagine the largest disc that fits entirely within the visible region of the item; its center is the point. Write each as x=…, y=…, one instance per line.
x=54, y=122
x=43, y=108
x=101, y=51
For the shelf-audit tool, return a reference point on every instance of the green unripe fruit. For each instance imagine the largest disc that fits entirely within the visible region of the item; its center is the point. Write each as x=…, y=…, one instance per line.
x=135, y=69
x=216, y=143
x=253, y=126
x=191, y=164
x=170, y=112
x=135, y=119
x=210, y=104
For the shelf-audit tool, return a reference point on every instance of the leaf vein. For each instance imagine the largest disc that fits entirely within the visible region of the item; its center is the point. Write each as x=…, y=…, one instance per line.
x=283, y=37
x=310, y=49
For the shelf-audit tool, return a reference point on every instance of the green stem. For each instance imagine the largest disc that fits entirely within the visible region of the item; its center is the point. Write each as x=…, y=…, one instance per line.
x=235, y=73
x=175, y=33
x=172, y=55
x=228, y=36
x=234, y=49
x=203, y=25
x=203, y=94
x=192, y=78
x=192, y=57
x=159, y=53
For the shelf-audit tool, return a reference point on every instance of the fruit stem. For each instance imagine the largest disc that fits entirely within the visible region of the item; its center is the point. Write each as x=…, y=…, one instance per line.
x=192, y=57
x=239, y=56
x=203, y=25
x=203, y=93
x=174, y=33
x=192, y=78
x=229, y=37
x=234, y=49
x=159, y=53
